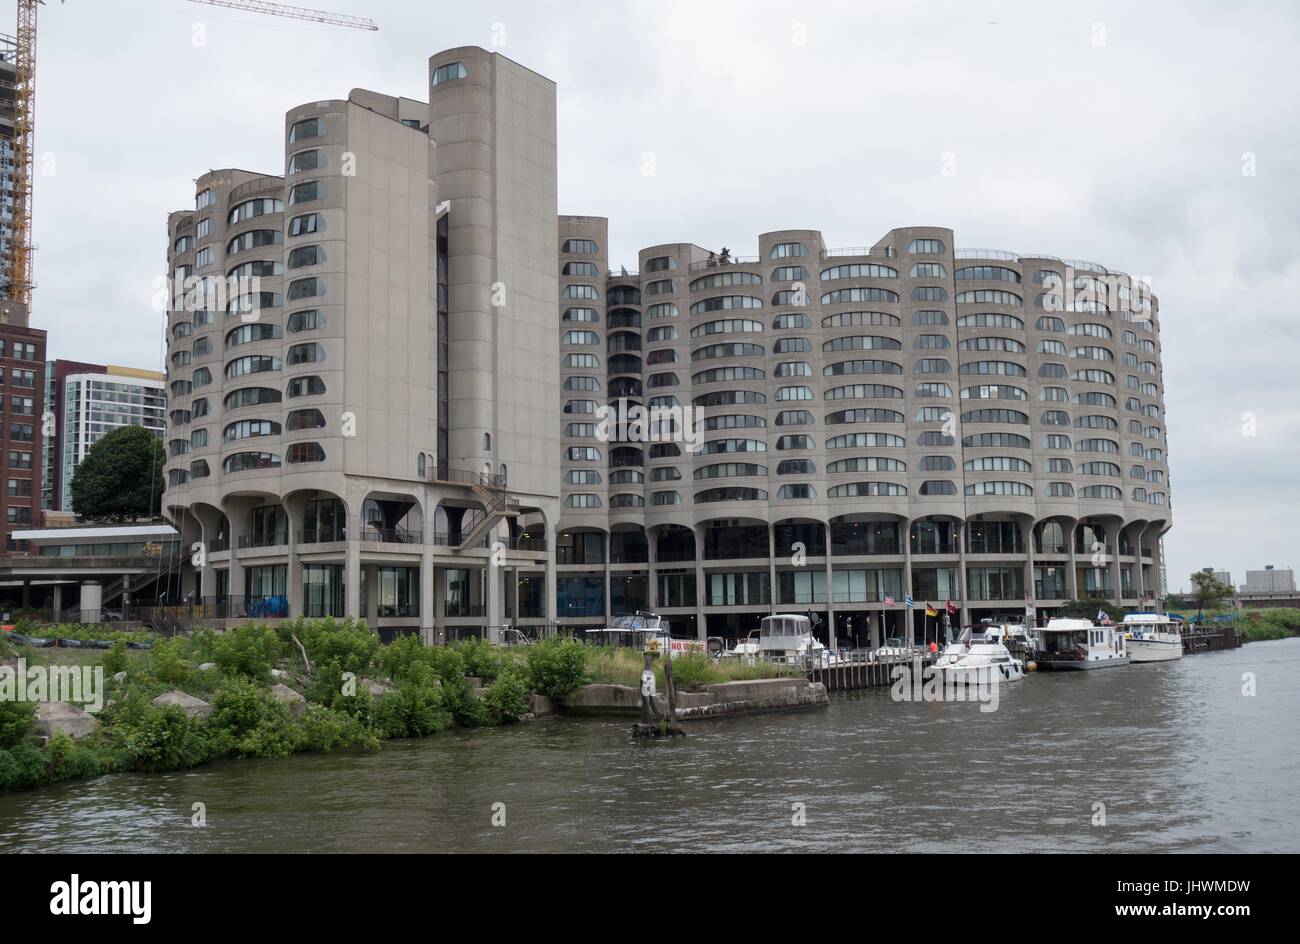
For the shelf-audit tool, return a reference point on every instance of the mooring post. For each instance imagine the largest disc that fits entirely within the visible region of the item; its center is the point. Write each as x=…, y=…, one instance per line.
x=647, y=689
x=672, y=690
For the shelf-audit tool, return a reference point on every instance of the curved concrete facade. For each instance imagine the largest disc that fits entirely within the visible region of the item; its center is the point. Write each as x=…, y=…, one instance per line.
x=910, y=390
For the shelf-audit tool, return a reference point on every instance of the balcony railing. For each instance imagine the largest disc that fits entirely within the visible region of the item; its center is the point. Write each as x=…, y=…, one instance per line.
x=322, y=535
x=394, y=535
x=264, y=540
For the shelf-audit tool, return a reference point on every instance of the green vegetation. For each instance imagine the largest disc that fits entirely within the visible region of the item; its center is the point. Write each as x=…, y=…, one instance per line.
x=691, y=672
x=357, y=694
x=121, y=477
x=1088, y=609
x=1208, y=592
x=1262, y=625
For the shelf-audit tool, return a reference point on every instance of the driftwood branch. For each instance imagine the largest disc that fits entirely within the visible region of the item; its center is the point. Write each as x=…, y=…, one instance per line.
x=303, y=649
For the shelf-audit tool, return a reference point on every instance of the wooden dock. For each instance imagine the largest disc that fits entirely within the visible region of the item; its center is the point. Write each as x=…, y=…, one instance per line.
x=859, y=670
x=1211, y=639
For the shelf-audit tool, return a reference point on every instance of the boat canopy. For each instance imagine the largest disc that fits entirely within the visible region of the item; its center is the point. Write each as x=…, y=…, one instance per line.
x=785, y=624
x=1067, y=625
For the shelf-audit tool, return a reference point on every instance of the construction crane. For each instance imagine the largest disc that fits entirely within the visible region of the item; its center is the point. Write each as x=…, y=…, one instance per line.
x=19, y=272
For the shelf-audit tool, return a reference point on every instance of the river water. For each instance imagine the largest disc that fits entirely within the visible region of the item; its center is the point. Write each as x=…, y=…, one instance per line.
x=1181, y=759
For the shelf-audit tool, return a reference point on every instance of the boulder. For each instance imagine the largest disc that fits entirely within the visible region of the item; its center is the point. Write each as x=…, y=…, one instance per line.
x=539, y=704
x=193, y=707
x=279, y=673
x=119, y=677
x=297, y=704
x=378, y=690
x=55, y=716
x=207, y=666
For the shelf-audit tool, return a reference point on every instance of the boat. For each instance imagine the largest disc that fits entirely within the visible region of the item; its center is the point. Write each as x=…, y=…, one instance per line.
x=1073, y=644
x=788, y=638
x=977, y=660
x=643, y=631
x=1153, y=637
x=1015, y=636
x=895, y=649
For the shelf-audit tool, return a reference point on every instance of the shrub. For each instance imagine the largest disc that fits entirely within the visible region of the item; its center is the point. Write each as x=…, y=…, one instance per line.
x=557, y=666
x=324, y=730
x=482, y=659
x=115, y=658
x=22, y=765
x=246, y=650
x=16, y=719
x=693, y=670
x=246, y=721
x=413, y=711
x=144, y=737
x=506, y=698
x=349, y=644
x=168, y=664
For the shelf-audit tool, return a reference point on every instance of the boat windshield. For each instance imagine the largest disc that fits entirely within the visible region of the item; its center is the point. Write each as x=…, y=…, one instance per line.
x=639, y=621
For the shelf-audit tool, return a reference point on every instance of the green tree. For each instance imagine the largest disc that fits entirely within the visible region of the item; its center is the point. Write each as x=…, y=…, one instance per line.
x=121, y=477
x=1209, y=592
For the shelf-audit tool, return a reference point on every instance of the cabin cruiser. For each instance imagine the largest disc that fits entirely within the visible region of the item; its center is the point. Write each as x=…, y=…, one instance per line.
x=975, y=660
x=894, y=649
x=1153, y=637
x=1072, y=644
x=788, y=638
x=1012, y=635
x=642, y=631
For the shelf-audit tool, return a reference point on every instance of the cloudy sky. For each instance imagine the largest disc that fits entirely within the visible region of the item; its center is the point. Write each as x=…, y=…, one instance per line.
x=1160, y=139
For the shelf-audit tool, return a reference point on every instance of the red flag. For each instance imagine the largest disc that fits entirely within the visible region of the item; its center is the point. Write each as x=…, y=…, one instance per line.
x=952, y=608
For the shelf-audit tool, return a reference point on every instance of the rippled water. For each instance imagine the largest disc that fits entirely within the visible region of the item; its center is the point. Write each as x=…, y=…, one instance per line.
x=1181, y=759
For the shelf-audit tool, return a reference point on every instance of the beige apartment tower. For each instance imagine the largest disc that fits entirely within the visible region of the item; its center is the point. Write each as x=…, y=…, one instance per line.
x=363, y=378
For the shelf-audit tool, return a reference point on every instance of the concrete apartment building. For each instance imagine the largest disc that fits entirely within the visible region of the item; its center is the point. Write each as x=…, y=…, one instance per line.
x=426, y=369
x=84, y=403
x=373, y=426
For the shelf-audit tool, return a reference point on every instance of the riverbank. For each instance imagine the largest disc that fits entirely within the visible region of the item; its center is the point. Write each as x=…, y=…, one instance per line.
x=310, y=686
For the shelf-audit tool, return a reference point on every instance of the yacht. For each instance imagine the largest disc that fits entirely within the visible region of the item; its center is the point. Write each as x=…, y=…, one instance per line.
x=1073, y=644
x=1153, y=637
x=975, y=659
x=788, y=637
x=643, y=631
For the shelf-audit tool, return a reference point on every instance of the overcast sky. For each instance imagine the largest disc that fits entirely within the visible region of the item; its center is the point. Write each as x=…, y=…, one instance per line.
x=1115, y=132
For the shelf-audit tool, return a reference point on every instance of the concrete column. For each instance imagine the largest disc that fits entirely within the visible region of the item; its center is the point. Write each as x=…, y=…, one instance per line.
x=905, y=535
x=293, y=566
x=352, y=573
x=91, y=597
x=1027, y=535
x=1117, y=591
x=492, y=596
x=961, y=575
x=877, y=621
x=609, y=550
x=436, y=607
x=773, y=599
x=1140, y=574
x=513, y=576
x=1071, y=574
x=551, y=591
x=57, y=603
x=652, y=573
x=701, y=622
x=830, y=591
x=372, y=595
x=27, y=594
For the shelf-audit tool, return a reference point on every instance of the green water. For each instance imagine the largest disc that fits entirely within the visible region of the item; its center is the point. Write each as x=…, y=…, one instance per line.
x=1182, y=760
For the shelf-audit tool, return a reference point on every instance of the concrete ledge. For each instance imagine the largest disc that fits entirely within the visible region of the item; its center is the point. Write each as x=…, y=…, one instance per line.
x=726, y=698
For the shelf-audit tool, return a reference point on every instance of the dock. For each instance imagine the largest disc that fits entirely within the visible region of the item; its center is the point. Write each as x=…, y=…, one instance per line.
x=857, y=670
x=1213, y=638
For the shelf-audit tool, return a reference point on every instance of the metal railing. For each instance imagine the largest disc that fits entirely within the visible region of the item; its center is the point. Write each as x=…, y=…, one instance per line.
x=394, y=535
x=719, y=263
x=883, y=252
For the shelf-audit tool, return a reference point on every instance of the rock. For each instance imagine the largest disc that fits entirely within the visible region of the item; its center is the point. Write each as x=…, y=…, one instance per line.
x=279, y=673
x=297, y=704
x=207, y=666
x=119, y=677
x=193, y=707
x=55, y=716
x=539, y=705
x=378, y=690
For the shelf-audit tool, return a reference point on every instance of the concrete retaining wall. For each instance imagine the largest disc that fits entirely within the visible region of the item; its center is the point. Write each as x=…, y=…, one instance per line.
x=726, y=698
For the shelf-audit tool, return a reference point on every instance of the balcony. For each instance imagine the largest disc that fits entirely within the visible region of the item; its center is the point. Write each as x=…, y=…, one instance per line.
x=395, y=535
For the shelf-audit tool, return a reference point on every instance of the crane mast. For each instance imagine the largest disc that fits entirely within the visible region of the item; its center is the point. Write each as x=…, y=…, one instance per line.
x=19, y=270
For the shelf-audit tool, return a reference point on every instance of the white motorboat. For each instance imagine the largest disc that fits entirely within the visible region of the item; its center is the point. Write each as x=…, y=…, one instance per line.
x=895, y=648
x=788, y=637
x=1073, y=644
x=976, y=660
x=643, y=631
x=1153, y=637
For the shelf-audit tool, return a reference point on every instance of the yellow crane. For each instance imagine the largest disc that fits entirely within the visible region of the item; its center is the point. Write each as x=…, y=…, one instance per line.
x=19, y=274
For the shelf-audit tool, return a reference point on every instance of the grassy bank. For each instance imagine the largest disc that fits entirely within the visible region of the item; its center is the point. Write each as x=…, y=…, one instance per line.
x=690, y=672
x=1278, y=623
x=357, y=694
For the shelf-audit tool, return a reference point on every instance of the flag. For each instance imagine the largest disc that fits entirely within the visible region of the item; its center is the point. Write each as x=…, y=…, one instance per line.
x=929, y=610
x=1029, y=601
x=952, y=608
x=889, y=599
x=909, y=602
x=1103, y=618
